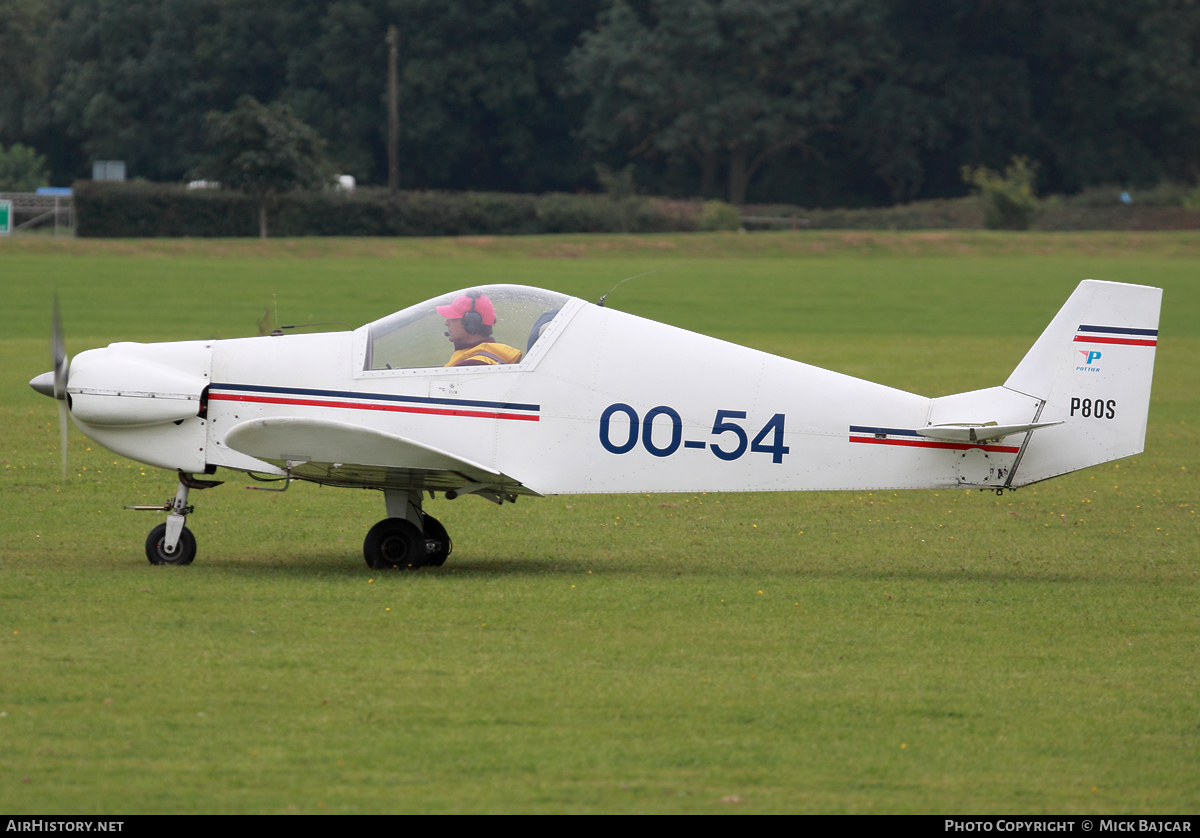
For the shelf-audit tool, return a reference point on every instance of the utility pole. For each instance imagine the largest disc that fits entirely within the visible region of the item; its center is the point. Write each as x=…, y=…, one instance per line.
x=393, y=42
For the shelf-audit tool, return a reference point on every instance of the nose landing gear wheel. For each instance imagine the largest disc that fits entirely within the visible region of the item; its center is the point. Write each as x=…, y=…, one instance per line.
x=394, y=542
x=185, y=550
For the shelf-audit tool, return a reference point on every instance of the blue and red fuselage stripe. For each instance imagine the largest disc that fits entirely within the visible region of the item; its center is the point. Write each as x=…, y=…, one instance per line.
x=350, y=400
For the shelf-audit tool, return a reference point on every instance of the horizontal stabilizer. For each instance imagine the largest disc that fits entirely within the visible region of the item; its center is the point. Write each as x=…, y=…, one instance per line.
x=963, y=432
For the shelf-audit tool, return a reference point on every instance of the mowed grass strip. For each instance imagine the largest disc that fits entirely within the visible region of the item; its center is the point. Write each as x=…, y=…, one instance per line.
x=944, y=651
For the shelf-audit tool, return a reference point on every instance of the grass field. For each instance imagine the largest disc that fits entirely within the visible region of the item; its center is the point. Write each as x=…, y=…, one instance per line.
x=949, y=652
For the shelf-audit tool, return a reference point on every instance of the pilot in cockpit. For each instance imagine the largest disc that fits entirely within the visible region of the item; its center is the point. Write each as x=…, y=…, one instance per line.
x=469, y=322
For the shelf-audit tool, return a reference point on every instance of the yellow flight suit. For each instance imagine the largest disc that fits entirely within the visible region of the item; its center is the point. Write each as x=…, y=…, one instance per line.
x=486, y=353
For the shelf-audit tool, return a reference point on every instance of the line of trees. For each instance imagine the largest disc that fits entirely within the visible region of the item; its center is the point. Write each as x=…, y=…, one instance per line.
x=815, y=102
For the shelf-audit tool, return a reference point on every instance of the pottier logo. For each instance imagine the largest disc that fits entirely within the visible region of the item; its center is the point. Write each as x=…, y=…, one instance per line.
x=1090, y=362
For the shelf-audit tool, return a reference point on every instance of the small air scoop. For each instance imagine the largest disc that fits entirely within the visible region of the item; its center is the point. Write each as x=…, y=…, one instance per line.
x=964, y=432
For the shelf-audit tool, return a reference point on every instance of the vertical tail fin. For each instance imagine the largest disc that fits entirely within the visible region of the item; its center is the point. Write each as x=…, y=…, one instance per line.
x=1092, y=368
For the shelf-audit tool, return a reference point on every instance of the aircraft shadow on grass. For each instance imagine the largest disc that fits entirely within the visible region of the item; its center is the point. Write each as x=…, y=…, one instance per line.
x=331, y=565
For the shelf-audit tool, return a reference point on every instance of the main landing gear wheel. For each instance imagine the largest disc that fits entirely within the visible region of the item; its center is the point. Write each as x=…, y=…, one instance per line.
x=395, y=542
x=437, y=542
x=185, y=550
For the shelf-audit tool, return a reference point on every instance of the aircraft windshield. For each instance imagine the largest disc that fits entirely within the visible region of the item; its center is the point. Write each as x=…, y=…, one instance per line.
x=416, y=336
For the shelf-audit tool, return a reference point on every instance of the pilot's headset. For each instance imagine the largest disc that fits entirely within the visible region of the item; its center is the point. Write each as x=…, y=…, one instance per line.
x=472, y=321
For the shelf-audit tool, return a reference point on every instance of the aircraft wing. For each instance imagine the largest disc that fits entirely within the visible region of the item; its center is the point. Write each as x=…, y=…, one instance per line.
x=341, y=454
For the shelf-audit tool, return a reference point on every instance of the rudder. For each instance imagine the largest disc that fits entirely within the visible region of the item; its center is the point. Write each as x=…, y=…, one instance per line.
x=1092, y=367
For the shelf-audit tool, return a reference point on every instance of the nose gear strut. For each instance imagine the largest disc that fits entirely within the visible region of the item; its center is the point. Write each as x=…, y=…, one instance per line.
x=172, y=542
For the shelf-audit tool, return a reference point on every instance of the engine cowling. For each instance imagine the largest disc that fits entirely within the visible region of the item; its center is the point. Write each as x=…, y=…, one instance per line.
x=111, y=388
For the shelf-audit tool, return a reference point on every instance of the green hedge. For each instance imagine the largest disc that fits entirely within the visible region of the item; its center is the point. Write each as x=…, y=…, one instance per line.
x=138, y=210
x=949, y=214
x=1140, y=218
x=1053, y=214
x=134, y=209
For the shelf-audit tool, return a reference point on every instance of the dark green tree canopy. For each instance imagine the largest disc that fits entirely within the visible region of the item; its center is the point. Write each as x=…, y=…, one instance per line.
x=21, y=169
x=744, y=79
x=815, y=102
x=23, y=24
x=480, y=98
x=263, y=150
x=1096, y=91
x=128, y=81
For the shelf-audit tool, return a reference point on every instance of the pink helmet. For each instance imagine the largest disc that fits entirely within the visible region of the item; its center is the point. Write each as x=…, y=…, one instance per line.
x=480, y=305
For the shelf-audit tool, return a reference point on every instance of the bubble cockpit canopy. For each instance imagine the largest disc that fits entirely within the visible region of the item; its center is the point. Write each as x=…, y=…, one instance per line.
x=416, y=337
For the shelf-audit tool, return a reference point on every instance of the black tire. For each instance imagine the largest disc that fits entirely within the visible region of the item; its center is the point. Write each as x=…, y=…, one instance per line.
x=394, y=542
x=185, y=550
x=435, y=532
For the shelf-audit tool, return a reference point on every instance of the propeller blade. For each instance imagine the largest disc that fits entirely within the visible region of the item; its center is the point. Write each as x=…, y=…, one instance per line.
x=62, y=427
x=62, y=370
x=58, y=349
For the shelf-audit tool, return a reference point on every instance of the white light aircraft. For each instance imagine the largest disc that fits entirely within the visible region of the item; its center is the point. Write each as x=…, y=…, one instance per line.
x=563, y=396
